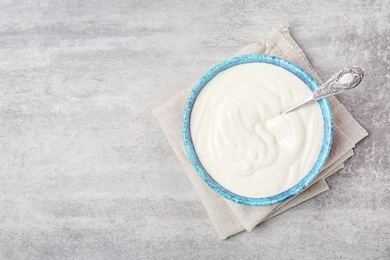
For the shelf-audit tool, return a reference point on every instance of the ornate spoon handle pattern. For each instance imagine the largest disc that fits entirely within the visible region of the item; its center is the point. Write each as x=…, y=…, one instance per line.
x=347, y=78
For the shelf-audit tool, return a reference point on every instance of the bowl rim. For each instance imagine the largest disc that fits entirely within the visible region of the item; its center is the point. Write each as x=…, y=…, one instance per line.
x=326, y=142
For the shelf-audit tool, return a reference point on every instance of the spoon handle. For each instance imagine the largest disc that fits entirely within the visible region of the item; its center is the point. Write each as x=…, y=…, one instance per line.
x=346, y=79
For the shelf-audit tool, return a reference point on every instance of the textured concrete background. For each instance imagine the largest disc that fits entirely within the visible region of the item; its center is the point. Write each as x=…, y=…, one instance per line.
x=86, y=173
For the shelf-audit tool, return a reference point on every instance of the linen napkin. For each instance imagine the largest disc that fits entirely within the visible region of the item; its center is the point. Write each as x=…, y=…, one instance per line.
x=228, y=217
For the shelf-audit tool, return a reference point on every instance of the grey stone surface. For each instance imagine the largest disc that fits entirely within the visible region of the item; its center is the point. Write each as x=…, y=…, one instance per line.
x=86, y=173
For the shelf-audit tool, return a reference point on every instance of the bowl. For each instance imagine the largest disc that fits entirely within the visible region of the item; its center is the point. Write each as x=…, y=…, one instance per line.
x=326, y=142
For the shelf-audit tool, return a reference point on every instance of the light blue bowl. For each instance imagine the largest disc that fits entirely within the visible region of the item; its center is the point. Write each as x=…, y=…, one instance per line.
x=326, y=142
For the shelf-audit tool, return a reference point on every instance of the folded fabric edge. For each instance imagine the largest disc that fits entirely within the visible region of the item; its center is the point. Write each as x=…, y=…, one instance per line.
x=254, y=220
x=296, y=201
x=307, y=194
x=320, y=187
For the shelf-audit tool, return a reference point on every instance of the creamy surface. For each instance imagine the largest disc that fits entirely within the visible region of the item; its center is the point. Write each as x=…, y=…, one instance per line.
x=242, y=140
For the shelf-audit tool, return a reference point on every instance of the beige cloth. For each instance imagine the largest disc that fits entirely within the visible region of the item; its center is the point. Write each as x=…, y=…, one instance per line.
x=228, y=217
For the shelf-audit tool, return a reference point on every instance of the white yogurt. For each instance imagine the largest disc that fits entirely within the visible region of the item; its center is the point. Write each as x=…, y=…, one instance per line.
x=242, y=140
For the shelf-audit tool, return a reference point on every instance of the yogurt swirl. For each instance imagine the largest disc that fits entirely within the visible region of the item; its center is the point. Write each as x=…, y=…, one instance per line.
x=242, y=140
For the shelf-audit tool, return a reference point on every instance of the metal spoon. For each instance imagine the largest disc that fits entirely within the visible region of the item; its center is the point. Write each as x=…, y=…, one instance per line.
x=346, y=79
